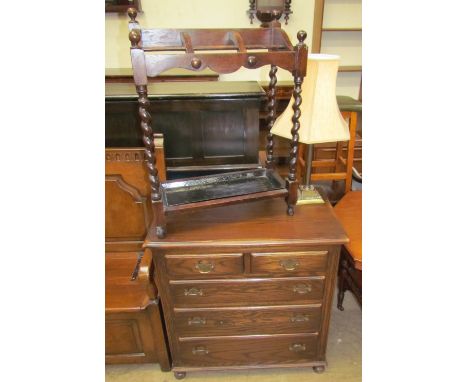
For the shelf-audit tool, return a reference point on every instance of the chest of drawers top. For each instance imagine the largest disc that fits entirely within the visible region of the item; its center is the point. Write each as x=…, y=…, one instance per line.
x=254, y=226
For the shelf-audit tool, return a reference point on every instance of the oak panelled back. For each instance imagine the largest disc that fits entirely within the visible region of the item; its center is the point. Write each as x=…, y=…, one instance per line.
x=128, y=209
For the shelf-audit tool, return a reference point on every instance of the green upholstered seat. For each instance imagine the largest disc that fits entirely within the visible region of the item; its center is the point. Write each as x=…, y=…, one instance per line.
x=347, y=103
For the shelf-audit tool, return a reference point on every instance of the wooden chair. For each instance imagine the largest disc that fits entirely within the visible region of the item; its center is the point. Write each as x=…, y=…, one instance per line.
x=134, y=330
x=349, y=213
x=342, y=166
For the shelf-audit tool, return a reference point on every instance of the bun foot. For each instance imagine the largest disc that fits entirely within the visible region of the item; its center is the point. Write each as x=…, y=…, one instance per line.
x=319, y=369
x=179, y=374
x=160, y=232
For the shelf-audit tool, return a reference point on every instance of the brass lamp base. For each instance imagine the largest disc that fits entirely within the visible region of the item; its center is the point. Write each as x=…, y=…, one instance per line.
x=308, y=195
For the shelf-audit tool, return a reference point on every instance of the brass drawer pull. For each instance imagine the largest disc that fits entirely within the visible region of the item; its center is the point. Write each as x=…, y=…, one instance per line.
x=196, y=321
x=302, y=288
x=200, y=350
x=300, y=318
x=204, y=266
x=193, y=292
x=297, y=347
x=289, y=264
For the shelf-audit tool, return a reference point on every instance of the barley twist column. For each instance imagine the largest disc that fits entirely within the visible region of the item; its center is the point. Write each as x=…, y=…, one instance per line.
x=145, y=125
x=271, y=118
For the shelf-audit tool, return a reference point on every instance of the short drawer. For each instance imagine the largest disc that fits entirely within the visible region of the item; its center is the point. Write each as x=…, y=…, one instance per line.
x=289, y=263
x=233, y=351
x=213, y=265
x=248, y=321
x=243, y=292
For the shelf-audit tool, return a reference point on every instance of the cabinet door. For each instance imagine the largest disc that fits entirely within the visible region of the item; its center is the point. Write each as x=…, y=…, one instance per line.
x=127, y=211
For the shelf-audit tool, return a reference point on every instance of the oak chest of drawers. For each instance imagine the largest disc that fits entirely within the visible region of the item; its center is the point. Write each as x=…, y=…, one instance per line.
x=247, y=286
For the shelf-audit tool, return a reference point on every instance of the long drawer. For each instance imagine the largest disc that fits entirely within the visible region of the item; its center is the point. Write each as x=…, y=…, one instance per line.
x=244, y=292
x=247, y=321
x=237, y=351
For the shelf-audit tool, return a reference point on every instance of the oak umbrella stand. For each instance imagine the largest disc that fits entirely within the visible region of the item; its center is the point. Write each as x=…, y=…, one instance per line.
x=154, y=51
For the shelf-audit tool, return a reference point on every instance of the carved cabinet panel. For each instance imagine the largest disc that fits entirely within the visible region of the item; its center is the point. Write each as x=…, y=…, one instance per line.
x=128, y=209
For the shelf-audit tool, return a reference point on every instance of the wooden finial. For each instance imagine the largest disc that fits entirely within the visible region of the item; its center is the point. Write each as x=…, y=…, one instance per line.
x=134, y=37
x=132, y=13
x=301, y=36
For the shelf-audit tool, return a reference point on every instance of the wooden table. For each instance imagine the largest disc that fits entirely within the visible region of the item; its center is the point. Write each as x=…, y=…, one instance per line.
x=349, y=212
x=247, y=286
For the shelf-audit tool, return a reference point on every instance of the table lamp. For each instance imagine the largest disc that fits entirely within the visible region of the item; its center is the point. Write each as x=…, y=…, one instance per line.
x=321, y=120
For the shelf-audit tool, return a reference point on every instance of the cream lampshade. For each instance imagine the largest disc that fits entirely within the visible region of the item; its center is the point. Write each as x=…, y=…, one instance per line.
x=321, y=120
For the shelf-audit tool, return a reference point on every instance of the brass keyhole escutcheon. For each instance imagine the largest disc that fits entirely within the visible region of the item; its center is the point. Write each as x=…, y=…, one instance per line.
x=204, y=266
x=289, y=264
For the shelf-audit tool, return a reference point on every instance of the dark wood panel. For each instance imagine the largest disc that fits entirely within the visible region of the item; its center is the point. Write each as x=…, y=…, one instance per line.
x=247, y=321
x=248, y=350
x=242, y=292
x=213, y=265
x=212, y=127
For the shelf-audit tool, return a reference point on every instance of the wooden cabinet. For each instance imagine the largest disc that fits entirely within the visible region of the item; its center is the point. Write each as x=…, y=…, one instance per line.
x=206, y=125
x=134, y=328
x=247, y=286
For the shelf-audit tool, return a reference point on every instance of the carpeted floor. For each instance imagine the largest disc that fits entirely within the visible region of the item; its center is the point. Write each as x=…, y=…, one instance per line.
x=343, y=355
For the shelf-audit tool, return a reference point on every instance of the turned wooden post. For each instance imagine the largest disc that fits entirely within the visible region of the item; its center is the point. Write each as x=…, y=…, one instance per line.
x=271, y=118
x=251, y=10
x=287, y=11
x=140, y=78
x=292, y=183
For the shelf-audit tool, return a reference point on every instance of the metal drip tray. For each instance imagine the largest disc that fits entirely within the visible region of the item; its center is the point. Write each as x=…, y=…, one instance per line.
x=230, y=187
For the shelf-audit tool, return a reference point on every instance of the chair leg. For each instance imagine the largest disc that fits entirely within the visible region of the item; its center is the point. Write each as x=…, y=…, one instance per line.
x=350, y=156
x=341, y=283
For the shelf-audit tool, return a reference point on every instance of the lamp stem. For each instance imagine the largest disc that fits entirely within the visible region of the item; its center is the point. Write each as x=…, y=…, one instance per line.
x=309, y=165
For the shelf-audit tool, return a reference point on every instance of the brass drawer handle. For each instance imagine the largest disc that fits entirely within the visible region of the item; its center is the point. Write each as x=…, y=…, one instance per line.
x=297, y=347
x=200, y=350
x=196, y=321
x=204, y=266
x=302, y=288
x=289, y=264
x=193, y=292
x=300, y=318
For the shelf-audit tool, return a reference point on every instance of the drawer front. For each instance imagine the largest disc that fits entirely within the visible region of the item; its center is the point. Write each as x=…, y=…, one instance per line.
x=205, y=266
x=289, y=263
x=247, y=321
x=247, y=350
x=244, y=292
